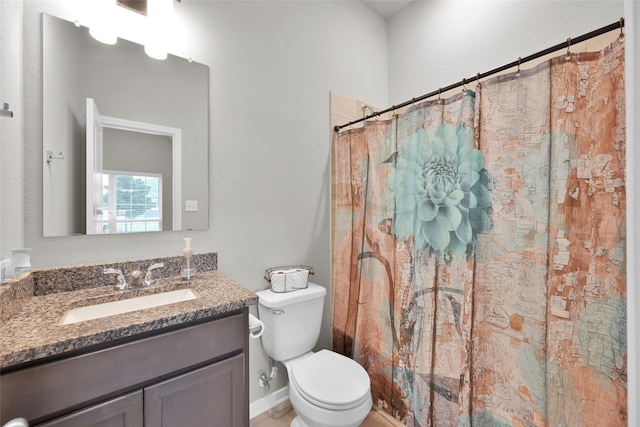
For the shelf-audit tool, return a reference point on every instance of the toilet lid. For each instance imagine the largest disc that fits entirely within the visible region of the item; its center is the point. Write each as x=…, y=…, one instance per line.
x=331, y=380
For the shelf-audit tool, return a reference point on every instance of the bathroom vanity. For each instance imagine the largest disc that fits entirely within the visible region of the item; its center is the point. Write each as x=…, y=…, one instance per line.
x=182, y=364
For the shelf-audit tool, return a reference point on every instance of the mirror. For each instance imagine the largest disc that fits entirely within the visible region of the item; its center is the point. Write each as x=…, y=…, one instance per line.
x=125, y=137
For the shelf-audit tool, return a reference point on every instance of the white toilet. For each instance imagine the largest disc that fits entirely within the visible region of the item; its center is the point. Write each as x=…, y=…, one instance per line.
x=326, y=389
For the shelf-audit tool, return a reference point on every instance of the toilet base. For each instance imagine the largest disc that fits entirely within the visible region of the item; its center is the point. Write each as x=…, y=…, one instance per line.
x=309, y=415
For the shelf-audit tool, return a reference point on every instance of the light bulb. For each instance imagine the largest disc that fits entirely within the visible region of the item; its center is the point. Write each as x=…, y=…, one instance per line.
x=103, y=34
x=155, y=51
x=101, y=22
x=159, y=13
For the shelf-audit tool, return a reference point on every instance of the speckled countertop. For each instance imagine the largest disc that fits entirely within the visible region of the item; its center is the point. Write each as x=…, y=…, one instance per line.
x=34, y=331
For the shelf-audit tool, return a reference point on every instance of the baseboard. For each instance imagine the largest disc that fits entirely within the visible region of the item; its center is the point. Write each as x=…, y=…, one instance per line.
x=269, y=401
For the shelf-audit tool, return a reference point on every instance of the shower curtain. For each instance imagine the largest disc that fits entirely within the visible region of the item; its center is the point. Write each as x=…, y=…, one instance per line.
x=479, y=250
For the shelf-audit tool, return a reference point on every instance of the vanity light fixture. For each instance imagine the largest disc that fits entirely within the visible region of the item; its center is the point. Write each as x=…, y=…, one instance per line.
x=138, y=6
x=101, y=27
x=155, y=51
x=158, y=18
x=103, y=34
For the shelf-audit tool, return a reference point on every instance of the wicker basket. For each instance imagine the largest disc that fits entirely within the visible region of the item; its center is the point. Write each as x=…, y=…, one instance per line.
x=288, y=278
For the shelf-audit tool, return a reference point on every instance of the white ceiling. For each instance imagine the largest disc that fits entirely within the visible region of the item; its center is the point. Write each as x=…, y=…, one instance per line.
x=387, y=8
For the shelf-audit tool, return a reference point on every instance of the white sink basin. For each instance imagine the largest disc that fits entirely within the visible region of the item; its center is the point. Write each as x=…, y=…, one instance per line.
x=106, y=309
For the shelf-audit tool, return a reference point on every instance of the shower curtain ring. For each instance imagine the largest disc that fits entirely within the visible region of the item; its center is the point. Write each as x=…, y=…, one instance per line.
x=364, y=110
x=464, y=85
x=568, y=48
x=621, y=27
x=519, y=61
x=478, y=80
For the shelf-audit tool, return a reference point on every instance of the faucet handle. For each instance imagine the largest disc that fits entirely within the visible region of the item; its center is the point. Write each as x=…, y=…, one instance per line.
x=148, y=278
x=122, y=283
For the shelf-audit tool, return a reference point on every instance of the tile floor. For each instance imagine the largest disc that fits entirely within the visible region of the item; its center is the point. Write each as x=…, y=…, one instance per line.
x=281, y=416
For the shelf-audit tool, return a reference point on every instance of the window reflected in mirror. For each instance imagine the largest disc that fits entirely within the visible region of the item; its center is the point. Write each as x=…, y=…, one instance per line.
x=131, y=203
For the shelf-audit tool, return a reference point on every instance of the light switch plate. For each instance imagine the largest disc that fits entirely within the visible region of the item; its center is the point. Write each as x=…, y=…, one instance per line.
x=191, y=205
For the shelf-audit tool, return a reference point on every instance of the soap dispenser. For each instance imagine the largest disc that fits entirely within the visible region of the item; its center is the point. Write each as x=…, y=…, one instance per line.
x=188, y=269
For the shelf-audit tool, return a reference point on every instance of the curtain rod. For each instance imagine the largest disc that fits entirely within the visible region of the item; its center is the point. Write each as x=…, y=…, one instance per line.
x=567, y=44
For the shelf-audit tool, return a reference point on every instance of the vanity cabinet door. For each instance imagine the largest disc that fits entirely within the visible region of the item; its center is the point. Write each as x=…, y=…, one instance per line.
x=124, y=411
x=212, y=396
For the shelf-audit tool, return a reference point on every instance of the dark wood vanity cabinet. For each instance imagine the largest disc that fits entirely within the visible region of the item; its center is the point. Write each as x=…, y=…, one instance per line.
x=209, y=396
x=192, y=376
x=123, y=411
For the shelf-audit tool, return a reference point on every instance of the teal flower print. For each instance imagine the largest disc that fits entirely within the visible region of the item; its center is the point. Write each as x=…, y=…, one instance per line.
x=440, y=189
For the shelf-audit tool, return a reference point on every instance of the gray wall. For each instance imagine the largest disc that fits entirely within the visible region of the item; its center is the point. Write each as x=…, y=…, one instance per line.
x=459, y=39
x=12, y=177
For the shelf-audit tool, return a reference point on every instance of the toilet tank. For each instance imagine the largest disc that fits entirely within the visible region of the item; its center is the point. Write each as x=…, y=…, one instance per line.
x=291, y=320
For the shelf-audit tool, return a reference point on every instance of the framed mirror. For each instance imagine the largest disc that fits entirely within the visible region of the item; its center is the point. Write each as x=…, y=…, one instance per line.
x=148, y=170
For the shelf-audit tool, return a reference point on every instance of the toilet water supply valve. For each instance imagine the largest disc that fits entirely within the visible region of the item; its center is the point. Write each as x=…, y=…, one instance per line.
x=264, y=380
x=256, y=328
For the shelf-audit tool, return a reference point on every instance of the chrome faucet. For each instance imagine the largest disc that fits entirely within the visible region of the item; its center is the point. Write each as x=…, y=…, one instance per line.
x=122, y=283
x=136, y=280
x=148, y=278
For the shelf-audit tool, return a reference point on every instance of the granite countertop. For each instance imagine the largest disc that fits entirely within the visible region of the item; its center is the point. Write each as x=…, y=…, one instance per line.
x=35, y=332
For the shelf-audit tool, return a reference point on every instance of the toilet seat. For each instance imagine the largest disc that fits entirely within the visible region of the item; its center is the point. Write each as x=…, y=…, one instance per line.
x=330, y=380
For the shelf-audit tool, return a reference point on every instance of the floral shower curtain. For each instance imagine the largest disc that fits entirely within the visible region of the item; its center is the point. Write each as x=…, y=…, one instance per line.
x=479, y=251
